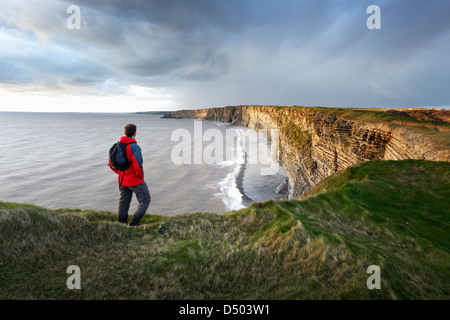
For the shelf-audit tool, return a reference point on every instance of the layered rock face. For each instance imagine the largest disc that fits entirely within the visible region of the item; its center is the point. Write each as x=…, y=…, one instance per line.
x=317, y=142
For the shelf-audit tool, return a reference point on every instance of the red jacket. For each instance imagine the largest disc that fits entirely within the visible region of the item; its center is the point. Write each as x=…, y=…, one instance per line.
x=134, y=175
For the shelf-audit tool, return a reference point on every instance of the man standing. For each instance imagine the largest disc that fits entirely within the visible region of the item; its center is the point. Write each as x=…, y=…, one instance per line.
x=132, y=180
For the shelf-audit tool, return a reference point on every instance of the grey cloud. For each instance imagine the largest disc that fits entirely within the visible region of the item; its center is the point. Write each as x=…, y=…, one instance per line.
x=241, y=51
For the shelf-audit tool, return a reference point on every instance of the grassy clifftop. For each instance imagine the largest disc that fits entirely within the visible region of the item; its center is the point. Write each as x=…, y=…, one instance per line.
x=394, y=214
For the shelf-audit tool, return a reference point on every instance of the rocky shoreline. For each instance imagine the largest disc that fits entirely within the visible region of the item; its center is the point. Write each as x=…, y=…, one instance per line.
x=246, y=201
x=318, y=142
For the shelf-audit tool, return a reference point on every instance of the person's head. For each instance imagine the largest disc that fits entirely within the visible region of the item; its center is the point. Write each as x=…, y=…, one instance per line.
x=130, y=130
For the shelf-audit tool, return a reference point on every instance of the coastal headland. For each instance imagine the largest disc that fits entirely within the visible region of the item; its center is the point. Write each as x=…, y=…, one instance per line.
x=317, y=142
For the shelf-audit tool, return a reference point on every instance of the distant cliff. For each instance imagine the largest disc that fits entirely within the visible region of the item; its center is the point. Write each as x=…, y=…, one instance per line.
x=317, y=142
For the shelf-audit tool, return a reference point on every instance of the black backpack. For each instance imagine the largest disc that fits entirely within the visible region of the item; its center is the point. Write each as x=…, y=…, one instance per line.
x=118, y=156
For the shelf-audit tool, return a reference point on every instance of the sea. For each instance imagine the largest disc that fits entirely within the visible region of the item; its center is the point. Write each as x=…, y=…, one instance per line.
x=59, y=160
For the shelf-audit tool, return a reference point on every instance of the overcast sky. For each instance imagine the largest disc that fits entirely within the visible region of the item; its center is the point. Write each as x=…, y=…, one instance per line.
x=182, y=54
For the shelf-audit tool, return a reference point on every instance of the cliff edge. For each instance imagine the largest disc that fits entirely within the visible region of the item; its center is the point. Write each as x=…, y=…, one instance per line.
x=317, y=142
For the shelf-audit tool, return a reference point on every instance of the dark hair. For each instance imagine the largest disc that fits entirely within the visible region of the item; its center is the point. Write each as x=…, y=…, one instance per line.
x=130, y=130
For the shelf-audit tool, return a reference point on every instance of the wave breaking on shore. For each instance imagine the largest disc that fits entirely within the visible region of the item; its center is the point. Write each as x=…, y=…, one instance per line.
x=232, y=187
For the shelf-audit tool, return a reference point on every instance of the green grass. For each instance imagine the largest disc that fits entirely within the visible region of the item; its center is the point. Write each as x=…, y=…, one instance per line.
x=364, y=115
x=300, y=140
x=394, y=214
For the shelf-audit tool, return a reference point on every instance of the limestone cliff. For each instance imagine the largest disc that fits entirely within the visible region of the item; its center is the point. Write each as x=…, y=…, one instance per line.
x=317, y=142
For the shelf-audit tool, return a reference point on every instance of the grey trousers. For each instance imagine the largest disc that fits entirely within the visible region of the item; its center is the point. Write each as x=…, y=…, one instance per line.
x=125, y=195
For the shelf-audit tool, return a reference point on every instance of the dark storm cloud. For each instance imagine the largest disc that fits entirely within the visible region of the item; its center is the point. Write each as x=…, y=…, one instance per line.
x=214, y=52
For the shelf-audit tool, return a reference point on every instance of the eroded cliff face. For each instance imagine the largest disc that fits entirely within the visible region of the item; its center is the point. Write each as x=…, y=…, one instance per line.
x=317, y=142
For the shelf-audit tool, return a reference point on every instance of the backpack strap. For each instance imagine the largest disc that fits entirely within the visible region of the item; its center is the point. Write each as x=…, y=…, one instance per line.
x=131, y=151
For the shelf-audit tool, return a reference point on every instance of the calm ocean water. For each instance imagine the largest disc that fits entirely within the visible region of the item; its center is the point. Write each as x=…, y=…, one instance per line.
x=59, y=160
